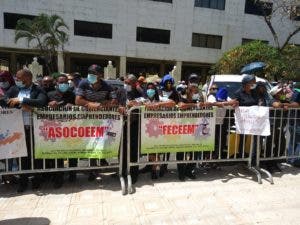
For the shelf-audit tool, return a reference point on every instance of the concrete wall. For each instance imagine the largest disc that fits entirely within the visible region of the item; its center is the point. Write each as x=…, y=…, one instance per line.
x=181, y=17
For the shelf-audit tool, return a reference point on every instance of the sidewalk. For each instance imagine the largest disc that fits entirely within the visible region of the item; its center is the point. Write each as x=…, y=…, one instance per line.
x=217, y=197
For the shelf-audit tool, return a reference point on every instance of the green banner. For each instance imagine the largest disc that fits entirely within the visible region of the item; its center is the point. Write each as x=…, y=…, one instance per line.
x=77, y=134
x=177, y=131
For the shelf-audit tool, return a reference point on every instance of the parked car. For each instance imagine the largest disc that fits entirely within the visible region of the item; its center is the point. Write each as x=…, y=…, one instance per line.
x=231, y=82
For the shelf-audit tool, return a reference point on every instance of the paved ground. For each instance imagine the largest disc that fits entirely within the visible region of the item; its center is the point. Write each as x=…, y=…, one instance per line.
x=226, y=196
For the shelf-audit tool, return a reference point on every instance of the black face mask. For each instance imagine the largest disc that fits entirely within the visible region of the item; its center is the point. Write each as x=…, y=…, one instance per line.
x=49, y=88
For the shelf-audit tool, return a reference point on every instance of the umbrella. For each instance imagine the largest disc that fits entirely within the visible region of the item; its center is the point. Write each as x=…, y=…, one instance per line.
x=253, y=67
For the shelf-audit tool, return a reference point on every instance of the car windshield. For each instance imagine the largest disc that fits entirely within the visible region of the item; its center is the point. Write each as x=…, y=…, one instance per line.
x=231, y=87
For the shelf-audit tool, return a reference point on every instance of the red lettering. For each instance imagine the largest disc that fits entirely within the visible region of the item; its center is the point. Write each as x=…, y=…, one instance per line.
x=73, y=131
x=51, y=133
x=58, y=132
x=169, y=129
x=92, y=131
x=65, y=132
x=99, y=131
x=175, y=129
x=80, y=131
x=180, y=129
x=87, y=132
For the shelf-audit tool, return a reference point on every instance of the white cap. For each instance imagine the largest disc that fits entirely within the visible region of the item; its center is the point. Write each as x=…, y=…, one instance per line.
x=275, y=90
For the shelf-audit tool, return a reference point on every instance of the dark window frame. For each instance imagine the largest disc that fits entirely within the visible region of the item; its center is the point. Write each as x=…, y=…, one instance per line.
x=153, y=35
x=211, y=4
x=164, y=1
x=93, y=29
x=10, y=19
x=207, y=41
x=247, y=40
x=259, y=8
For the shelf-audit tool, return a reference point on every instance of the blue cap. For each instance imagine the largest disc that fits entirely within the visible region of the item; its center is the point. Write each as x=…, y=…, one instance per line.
x=222, y=95
x=247, y=78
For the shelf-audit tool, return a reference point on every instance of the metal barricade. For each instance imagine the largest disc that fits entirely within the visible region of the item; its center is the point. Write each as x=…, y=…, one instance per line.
x=229, y=148
x=32, y=165
x=283, y=145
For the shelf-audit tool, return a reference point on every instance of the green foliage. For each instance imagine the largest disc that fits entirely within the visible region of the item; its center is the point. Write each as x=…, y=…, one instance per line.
x=46, y=33
x=278, y=62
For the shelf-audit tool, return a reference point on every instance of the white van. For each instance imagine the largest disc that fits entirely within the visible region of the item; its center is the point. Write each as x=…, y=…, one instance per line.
x=231, y=82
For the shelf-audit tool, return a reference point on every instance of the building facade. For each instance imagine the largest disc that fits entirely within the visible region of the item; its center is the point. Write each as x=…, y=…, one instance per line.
x=141, y=35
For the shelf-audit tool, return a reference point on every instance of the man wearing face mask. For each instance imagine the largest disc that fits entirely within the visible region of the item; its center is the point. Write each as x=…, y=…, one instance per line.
x=246, y=95
x=48, y=84
x=30, y=95
x=94, y=93
x=62, y=96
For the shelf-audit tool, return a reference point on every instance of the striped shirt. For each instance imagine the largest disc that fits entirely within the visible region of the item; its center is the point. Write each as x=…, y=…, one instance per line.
x=85, y=89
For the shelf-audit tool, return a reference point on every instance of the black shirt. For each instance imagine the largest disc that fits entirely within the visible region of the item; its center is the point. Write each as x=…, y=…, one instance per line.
x=246, y=99
x=62, y=98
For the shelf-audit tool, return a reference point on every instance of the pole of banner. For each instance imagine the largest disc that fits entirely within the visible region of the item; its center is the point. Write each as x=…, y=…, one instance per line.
x=250, y=167
x=129, y=180
x=122, y=181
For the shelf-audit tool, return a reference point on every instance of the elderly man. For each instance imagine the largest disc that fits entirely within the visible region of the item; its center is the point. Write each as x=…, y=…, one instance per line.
x=30, y=95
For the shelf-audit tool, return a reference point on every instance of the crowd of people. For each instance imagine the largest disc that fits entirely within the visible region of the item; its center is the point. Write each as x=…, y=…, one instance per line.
x=94, y=93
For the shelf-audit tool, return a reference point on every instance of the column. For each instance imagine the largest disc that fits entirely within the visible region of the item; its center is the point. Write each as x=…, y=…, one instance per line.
x=122, y=66
x=162, y=69
x=60, y=62
x=177, y=75
x=13, y=63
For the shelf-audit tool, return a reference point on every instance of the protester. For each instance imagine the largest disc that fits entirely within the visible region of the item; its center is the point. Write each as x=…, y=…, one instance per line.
x=48, y=84
x=29, y=95
x=94, y=93
x=63, y=96
x=8, y=88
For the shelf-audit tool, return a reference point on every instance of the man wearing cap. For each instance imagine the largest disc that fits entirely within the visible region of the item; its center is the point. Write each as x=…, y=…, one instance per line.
x=246, y=95
x=94, y=93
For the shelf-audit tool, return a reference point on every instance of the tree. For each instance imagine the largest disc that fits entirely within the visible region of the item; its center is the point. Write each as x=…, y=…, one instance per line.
x=282, y=13
x=46, y=33
x=277, y=62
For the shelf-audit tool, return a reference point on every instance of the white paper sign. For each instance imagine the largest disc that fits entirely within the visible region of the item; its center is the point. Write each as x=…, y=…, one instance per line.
x=12, y=135
x=252, y=120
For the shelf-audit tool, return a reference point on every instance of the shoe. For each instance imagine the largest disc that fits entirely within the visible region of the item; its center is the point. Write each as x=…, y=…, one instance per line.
x=22, y=188
x=154, y=175
x=190, y=175
x=58, y=181
x=92, y=176
x=36, y=184
x=72, y=176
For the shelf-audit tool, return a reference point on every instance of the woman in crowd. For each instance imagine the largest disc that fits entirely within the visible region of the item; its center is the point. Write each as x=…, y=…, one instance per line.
x=8, y=88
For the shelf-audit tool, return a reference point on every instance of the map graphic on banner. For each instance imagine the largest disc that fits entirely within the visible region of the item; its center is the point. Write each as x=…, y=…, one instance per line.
x=12, y=136
x=177, y=131
x=77, y=134
x=252, y=120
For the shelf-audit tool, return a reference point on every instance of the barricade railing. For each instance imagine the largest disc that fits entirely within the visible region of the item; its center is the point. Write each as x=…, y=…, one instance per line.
x=64, y=139
x=228, y=147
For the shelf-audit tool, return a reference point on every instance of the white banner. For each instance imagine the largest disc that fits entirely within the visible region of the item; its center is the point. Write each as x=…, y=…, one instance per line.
x=12, y=135
x=252, y=120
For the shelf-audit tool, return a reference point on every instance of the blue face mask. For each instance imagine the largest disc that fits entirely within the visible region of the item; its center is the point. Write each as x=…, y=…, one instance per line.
x=20, y=84
x=92, y=78
x=63, y=87
x=150, y=93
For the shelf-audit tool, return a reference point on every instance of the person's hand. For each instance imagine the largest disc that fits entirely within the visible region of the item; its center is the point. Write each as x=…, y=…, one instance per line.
x=12, y=102
x=69, y=105
x=234, y=103
x=93, y=105
x=182, y=105
x=151, y=106
x=133, y=103
x=122, y=110
x=53, y=104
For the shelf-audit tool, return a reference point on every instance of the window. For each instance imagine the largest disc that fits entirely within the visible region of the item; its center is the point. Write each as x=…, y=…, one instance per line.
x=247, y=40
x=207, y=41
x=152, y=35
x=258, y=8
x=92, y=29
x=11, y=19
x=167, y=1
x=213, y=4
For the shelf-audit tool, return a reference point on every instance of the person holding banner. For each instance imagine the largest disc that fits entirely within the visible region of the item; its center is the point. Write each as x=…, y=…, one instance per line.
x=8, y=88
x=29, y=95
x=63, y=96
x=193, y=99
x=94, y=93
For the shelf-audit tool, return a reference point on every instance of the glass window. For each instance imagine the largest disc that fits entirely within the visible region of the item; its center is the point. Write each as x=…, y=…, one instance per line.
x=166, y=1
x=153, y=35
x=92, y=29
x=11, y=19
x=258, y=8
x=207, y=41
x=213, y=4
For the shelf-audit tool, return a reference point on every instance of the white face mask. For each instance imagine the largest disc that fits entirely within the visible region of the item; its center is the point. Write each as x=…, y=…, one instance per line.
x=196, y=96
x=167, y=93
x=4, y=84
x=253, y=86
x=127, y=87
